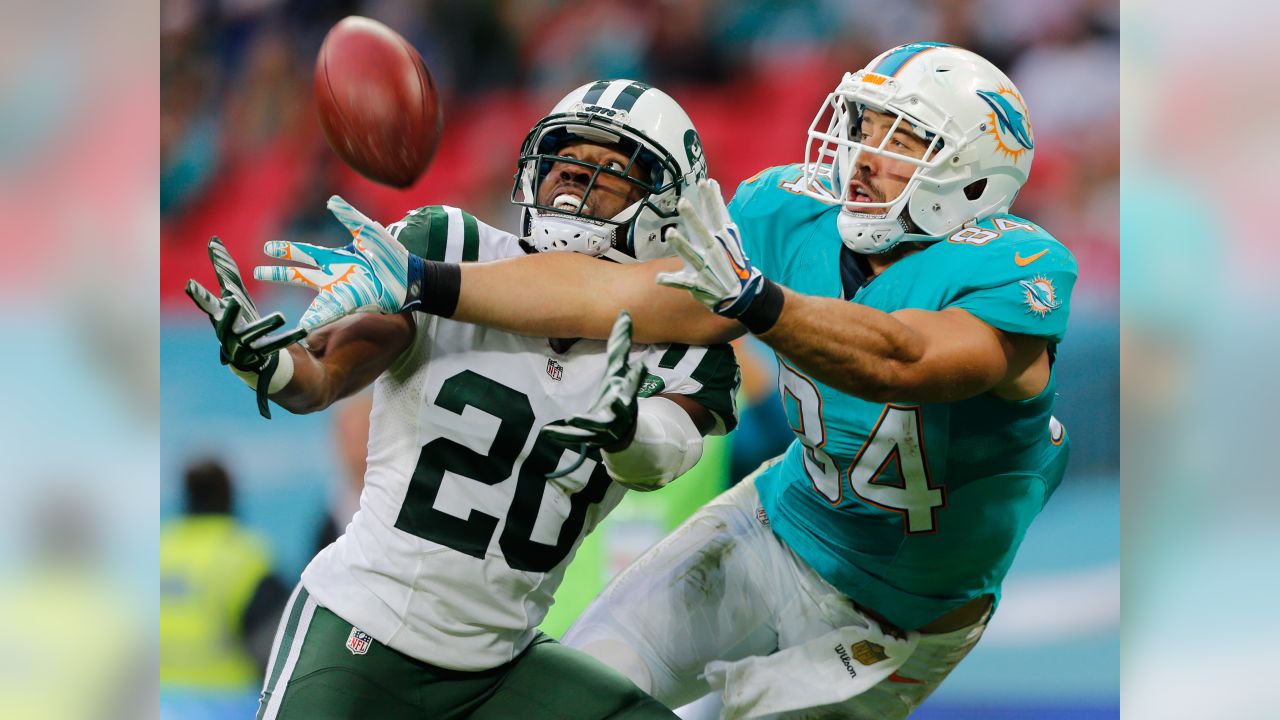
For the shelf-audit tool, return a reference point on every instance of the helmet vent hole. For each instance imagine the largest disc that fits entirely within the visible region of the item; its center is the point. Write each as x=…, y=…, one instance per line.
x=974, y=190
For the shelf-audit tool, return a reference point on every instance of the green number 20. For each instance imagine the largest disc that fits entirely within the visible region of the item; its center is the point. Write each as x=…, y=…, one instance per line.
x=472, y=535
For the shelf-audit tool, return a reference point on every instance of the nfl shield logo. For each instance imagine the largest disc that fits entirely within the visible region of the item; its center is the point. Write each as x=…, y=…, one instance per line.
x=358, y=641
x=555, y=369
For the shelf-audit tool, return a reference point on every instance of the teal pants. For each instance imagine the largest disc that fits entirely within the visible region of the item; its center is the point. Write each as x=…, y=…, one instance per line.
x=314, y=676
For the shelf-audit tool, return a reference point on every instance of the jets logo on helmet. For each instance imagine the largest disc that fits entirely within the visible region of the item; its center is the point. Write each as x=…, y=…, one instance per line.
x=976, y=133
x=663, y=154
x=693, y=152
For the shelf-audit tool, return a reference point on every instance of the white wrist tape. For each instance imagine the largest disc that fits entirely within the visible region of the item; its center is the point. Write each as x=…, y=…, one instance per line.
x=280, y=378
x=666, y=445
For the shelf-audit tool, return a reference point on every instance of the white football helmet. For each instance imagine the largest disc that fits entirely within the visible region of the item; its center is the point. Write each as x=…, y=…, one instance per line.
x=644, y=123
x=978, y=156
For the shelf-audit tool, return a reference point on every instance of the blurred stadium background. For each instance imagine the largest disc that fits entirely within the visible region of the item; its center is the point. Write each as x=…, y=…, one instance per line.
x=241, y=156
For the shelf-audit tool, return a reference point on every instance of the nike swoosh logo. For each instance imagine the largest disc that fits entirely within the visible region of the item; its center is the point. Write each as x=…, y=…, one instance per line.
x=739, y=270
x=1025, y=261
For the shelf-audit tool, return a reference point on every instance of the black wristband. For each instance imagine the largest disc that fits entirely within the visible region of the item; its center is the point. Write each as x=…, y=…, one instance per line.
x=763, y=312
x=438, y=290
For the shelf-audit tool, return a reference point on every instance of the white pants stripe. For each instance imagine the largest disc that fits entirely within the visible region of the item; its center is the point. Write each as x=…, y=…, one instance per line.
x=280, y=631
x=292, y=650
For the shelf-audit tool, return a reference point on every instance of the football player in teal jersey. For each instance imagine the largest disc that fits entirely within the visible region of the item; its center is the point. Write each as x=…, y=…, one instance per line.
x=915, y=320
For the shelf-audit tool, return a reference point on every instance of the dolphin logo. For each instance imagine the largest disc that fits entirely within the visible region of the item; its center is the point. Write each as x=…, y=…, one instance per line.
x=1010, y=119
x=1040, y=295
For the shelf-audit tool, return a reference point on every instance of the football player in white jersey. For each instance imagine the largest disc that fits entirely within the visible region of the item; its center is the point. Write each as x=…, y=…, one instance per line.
x=491, y=454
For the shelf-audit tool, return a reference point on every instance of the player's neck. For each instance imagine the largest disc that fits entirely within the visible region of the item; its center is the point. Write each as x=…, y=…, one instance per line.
x=880, y=262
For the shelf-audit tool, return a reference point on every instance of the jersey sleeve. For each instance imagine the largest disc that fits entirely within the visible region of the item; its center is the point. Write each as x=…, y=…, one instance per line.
x=707, y=375
x=450, y=234
x=1023, y=287
x=740, y=209
x=776, y=222
x=754, y=210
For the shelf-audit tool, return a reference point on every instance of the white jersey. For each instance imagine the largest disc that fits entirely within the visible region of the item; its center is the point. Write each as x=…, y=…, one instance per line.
x=460, y=540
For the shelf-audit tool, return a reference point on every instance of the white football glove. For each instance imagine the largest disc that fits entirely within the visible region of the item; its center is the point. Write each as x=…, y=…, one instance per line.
x=369, y=274
x=716, y=270
x=611, y=417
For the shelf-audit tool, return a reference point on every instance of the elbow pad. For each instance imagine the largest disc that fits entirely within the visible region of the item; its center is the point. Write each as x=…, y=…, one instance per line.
x=666, y=445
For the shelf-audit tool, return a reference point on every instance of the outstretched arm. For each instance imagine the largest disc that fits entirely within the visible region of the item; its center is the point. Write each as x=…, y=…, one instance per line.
x=909, y=355
x=572, y=295
x=342, y=359
x=545, y=295
x=302, y=378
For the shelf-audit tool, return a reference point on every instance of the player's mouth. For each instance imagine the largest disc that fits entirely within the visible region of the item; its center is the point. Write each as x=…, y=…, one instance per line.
x=861, y=192
x=570, y=202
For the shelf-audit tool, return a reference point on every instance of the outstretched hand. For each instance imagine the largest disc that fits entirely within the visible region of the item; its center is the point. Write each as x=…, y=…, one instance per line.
x=716, y=270
x=237, y=322
x=610, y=420
x=369, y=274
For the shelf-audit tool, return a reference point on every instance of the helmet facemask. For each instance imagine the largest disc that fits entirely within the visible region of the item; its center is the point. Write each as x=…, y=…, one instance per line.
x=924, y=210
x=571, y=225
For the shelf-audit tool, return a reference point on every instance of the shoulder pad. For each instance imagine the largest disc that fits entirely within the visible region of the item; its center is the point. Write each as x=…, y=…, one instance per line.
x=765, y=183
x=1010, y=273
x=425, y=232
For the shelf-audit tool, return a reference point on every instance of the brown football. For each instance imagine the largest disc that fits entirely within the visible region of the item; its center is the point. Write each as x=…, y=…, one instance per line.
x=377, y=102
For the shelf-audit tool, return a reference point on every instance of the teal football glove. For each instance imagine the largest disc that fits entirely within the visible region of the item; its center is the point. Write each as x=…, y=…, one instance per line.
x=372, y=273
x=610, y=420
x=716, y=269
x=238, y=324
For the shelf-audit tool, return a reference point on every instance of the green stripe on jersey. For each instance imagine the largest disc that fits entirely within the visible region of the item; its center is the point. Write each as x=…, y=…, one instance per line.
x=437, y=233
x=470, y=238
x=673, y=356
x=425, y=233
x=718, y=374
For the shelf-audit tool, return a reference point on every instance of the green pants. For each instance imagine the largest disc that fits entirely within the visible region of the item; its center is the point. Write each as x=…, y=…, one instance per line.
x=313, y=675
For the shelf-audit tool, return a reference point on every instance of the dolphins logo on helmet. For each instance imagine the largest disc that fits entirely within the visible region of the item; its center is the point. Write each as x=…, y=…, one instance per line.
x=975, y=128
x=1008, y=120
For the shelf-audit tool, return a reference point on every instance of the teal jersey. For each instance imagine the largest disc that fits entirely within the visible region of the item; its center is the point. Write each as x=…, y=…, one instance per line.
x=911, y=509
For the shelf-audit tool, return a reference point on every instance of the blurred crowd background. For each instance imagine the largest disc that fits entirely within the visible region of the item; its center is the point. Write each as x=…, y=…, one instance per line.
x=242, y=156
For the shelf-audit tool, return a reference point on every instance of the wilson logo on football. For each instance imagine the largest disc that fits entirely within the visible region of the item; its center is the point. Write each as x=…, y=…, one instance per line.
x=868, y=653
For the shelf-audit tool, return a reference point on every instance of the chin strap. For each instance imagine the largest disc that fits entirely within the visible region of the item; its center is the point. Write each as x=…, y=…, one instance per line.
x=872, y=235
x=559, y=233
